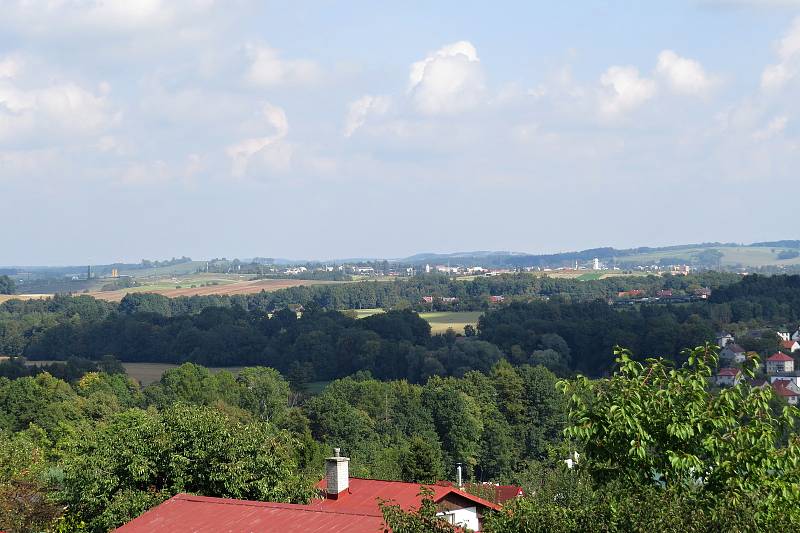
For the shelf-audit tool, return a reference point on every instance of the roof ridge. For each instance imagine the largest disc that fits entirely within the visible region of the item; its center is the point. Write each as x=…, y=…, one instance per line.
x=258, y=503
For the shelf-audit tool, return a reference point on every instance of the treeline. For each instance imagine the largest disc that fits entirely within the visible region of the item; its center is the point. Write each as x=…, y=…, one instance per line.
x=470, y=295
x=7, y=285
x=562, y=333
x=322, y=345
x=771, y=298
x=582, y=336
x=69, y=446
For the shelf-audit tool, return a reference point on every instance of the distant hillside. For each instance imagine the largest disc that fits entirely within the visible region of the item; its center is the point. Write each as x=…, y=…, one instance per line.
x=784, y=253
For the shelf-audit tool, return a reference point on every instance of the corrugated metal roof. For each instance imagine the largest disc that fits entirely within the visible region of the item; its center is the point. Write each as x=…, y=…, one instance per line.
x=199, y=514
x=363, y=495
x=354, y=511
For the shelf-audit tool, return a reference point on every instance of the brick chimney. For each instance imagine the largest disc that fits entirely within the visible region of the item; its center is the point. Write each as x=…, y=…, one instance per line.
x=337, y=474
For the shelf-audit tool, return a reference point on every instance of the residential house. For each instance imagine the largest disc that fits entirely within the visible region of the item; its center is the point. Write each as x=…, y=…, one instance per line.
x=732, y=352
x=779, y=363
x=703, y=293
x=727, y=377
x=427, y=299
x=788, y=390
x=789, y=346
x=724, y=338
x=347, y=505
x=664, y=293
x=783, y=335
x=633, y=293
x=796, y=335
x=496, y=299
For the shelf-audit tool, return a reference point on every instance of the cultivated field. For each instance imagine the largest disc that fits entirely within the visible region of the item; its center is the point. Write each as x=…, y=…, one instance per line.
x=7, y=297
x=442, y=321
x=223, y=287
x=731, y=256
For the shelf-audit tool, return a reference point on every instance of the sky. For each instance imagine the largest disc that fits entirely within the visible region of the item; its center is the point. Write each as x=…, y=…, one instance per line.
x=332, y=129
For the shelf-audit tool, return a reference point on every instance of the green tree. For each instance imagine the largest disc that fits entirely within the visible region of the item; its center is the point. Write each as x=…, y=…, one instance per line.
x=7, y=285
x=264, y=392
x=421, y=461
x=120, y=468
x=654, y=424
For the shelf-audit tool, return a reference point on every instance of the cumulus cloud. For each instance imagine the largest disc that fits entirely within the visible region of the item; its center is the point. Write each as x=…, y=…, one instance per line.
x=624, y=90
x=268, y=149
x=775, y=76
x=268, y=68
x=683, y=75
x=448, y=80
x=51, y=112
x=360, y=109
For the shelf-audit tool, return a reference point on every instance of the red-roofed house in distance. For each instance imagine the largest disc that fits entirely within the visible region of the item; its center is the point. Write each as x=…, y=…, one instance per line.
x=787, y=390
x=727, y=377
x=349, y=505
x=790, y=346
x=733, y=353
x=779, y=363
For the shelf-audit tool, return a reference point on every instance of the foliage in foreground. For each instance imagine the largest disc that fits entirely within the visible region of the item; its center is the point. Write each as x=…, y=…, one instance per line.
x=660, y=451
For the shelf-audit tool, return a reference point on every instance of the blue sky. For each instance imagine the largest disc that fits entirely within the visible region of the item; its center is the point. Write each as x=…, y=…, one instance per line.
x=156, y=128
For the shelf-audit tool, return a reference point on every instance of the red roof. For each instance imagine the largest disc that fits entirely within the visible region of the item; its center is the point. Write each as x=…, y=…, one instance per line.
x=355, y=511
x=732, y=372
x=201, y=514
x=363, y=494
x=496, y=493
x=788, y=345
x=779, y=357
x=782, y=388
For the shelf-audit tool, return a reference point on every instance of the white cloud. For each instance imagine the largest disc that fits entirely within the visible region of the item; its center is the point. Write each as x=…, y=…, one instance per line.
x=449, y=80
x=775, y=127
x=268, y=68
x=44, y=16
x=777, y=75
x=56, y=111
x=360, y=109
x=269, y=149
x=9, y=68
x=683, y=75
x=624, y=90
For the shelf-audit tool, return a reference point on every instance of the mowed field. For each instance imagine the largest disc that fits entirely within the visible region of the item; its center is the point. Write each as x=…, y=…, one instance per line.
x=752, y=256
x=440, y=321
x=203, y=287
x=7, y=297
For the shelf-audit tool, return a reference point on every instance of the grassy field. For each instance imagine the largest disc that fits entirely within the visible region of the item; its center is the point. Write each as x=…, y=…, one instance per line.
x=7, y=297
x=731, y=256
x=364, y=313
x=442, y=321
x=223, y=286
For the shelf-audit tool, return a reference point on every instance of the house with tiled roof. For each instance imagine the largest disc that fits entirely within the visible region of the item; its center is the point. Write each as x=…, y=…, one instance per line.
x=347, y=505
x=724, y=338
x=787, y=390
x=732, y=353
x=727, y=377
x=789, y=346
x=780, y=363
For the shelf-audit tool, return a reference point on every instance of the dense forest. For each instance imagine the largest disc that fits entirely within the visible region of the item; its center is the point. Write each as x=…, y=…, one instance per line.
x=74, y=442
x=94, y=451
x=564, y=334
